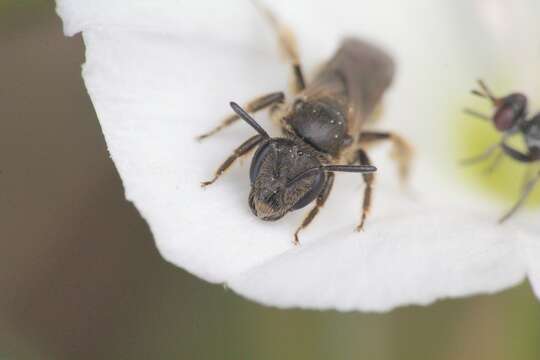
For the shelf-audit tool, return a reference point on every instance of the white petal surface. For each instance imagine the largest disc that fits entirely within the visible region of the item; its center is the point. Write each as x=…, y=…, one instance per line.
x=161, y=72
x=529, y=244
x=397, y=261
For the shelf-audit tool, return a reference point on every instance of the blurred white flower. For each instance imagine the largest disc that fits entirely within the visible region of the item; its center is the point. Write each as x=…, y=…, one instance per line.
x=161, y=72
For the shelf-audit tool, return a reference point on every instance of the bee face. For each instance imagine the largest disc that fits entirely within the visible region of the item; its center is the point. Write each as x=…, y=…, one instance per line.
x=275, y=186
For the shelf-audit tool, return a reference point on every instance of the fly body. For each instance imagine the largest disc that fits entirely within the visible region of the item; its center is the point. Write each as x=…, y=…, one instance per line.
x=511, y=117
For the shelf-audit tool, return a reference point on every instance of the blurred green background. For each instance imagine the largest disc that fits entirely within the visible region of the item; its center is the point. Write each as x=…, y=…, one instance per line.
x=80, y=277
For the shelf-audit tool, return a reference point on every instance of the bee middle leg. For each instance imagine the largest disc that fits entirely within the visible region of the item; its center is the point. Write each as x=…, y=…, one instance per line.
x=243, y=149
x=402, y=151
x=321, y=199
x=363, y=159
x=254, y=105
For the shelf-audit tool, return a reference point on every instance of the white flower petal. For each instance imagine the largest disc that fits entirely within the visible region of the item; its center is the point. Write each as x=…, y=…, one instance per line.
x=532, y=251
x=529, y=243
x=161, y=72
x=150, y=110
x=405, y=257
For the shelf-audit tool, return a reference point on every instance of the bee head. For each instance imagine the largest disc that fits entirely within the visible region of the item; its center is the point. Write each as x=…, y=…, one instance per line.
x=285, y=175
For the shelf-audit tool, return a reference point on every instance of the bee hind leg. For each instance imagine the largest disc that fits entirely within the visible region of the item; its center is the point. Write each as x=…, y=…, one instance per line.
x=402, y=151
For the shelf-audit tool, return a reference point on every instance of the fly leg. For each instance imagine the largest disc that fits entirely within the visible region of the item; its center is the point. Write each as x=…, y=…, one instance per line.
x=402, y=151
x=518, y=155
x=481, y=157
x=363, y=159
x=287, y=44
x=486, y=154
x=238, y=152
x=255, y=105
x=476, y=114
x=495, y=163
x=529, y=186
x=321, y=199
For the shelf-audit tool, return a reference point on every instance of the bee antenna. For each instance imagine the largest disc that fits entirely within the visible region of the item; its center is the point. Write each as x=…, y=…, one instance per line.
x=332, y=168
x=350, y=168
x=247, y=118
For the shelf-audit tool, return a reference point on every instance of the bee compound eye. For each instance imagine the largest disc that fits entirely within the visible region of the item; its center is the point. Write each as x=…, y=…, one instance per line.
x=312, y=193
x=257, y=161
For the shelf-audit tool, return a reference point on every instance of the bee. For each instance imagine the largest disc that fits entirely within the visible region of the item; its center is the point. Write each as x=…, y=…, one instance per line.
x=510, y=118
x=323, y=130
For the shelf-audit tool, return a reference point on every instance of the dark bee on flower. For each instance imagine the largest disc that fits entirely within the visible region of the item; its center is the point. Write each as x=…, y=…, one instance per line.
x=323, y=130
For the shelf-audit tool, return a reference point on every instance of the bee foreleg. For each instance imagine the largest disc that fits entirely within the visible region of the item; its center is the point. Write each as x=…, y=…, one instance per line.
x=255, y=105
x=321, y=199
x=243, y=149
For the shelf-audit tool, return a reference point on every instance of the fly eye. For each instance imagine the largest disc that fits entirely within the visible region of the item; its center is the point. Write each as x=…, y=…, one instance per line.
x=504, y=118
x=512, y=109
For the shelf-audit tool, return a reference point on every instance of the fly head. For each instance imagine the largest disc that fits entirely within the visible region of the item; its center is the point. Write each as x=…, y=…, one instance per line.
x=510, y=110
